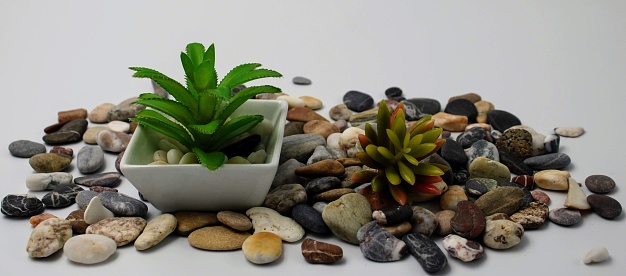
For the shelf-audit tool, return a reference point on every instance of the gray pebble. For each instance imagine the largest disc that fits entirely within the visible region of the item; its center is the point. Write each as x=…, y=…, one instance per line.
x=26, y=148
x=283, y=198
x=108, y=179
x=550, y=161
x=318, y=185
x=301, y=80
x=285, y=174
x=600, y=184
x=84, y=197
x=482, y=148
x=300, y=146
x=471, y=136
x=426, y=252
x=423, y=221
x=319, y=206
x=605, y=206
x=310, y=218
x=358, y=101
x=124, y=110
x=89, y=159
x=565, y=216
x=123, y=205
x=377, y=244
x=320, y=153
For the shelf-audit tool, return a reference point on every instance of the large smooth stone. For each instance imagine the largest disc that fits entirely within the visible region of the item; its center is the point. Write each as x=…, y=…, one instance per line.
x=346, y=215
x=26, y=148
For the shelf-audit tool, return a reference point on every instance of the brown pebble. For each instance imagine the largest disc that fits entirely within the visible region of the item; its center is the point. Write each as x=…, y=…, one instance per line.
x=62, y=150
x=217, y=238
x=35, y=220
x=77, y=219
x=533, y=216
x=398, y=230
x=472, y=97
x=69, y=115
x=321, y=127
x=332, y=195
x=450, y=122
x=350, y=161
x=237, y=221
x=527, y=181
x=190, y=221
x=540, y=197
x=444, y=217
x=468, y=221
x=133, y=126
x=317, y=252
x=53, y=128
x=303, y=114
x=100, y=189
x=326, y=167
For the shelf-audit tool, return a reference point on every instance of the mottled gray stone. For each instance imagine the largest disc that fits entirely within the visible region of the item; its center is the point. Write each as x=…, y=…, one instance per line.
x=89, y=159
x=300, y=146
x=284, y=197
x=124, y=110
x=426, y=252
x=123, y=205
x=377, y=244
x=550, y=161
x=26, y=148
x=318, y=185
x=482, y=148
x=107, y=179
x=320, y=153
x=565, y=216
x=285, y=174
x=600, y=184
x=84, y=197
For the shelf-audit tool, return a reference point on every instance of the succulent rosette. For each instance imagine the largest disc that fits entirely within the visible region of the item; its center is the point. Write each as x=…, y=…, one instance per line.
x=397, y=156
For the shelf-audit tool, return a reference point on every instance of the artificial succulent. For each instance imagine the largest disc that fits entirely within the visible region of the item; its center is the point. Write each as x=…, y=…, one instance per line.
x=396, y=156
x=199, y=116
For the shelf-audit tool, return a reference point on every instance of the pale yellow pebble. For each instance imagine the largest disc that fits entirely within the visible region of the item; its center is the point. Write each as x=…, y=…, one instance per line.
x=555, y=180
x=90, y=135
x=292, y=101
x=159, y=163
x=312, y=102
x=189, y=158
x=576, y=198
x=262, y=248
x=159, y=155
x=156, y=231
x=238, y=160
x=174, y=156
x=483, y=107
x=119, y=126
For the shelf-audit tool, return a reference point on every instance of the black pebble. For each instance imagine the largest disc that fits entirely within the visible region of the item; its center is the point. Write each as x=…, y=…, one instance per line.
x=502, y=120
x=462, y=107
x=358, y=101
x=21, y=205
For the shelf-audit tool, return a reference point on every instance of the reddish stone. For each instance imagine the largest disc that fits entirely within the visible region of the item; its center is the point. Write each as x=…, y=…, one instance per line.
x=378, y=200
x=303, y=114
x=468, y=221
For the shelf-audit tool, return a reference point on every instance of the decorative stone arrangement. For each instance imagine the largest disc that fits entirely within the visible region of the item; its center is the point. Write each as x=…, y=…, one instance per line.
x=491, y=196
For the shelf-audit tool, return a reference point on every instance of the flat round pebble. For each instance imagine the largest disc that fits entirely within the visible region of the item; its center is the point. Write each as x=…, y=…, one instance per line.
x=358, y=101
x=49, y=162
x=378, y=245
x=569, y=131
x=89, y=248
x=301, y=80
x=108, y=179
x=600, y=184
x=237, y=221
x=426, y=105
x=565, y=216
x=267, y=220
x=605, y=206
x=26, y=148
x=217, y=238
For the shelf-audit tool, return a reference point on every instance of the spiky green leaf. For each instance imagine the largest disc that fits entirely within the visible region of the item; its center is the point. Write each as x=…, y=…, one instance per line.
x=187, y=66
x=253, y=75
x=232, y=129
x=206, y=129
x=406, y=173
x=411, y=159
x=174, y=88
x=398, y=125
x=233, y=73
x=163, y=125
x=392, y=175
x=203, y=75
x=244, y=95
x=368, y=161
x=379, y=183
x=208, y=104
x=386, y=153
x=415, y=141
x=382, y=124
x=195, y=51
x=371, y=134
x=174, y=109
x=210, y=54
x=211, y=160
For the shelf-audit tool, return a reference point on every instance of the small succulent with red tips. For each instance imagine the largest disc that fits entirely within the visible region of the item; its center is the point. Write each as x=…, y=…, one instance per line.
x=397, y=156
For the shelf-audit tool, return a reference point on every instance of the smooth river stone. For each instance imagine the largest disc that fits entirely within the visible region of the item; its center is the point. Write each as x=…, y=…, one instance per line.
x=21, y=205
x=393, y=214
x=565, y=216
x=426, y=252
x=600, y=184
x=98, y=115
x=552, y=180
x=502, y=234
x=47, y=181
x=300, y=146
x=62, y=137
x=108, y=179
x=468, y=220
x=156, y=231
x=483, y=167
x=482, y=148
x=62, y=196
x=309, y=218
x=550, y=161
x=217, y=238
x=70, y=115
x=262, y=248
x=346, y=215
x=121, y=230
x=358, y=101
x=89, y=159
x=569, y=131
x=49, y=162
x=452, y=152
x=501, y=200
x=467, y=138
x=301, y=80
x=123, y=205
x=462, y=107
x=113, y=141
x=283, y=198
x=450, y=122
x=89, y=248
x=317, y=252
x=379, y=245
x=462, y=248
x=237, y=221
x=426, y=105
x=124, y=110
x=26, y=148
x=48, y=237
x=605, y=206
x=267, y=220
x=423, y=221
x=502, y=120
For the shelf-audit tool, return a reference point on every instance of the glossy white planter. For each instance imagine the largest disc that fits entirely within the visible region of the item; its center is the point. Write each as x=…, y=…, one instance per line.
x=193, y=187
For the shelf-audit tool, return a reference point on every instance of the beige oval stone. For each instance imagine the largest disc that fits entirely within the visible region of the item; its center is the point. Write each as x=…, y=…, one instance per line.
x=555, y=180
x=262, y=248
x=312, y=102
x=454, y=195
x=217, y=238
x=122, y=230
x=303, y=114
x=157, y=230
x=471, y=96
x=90, y=135
x=99, y=114
x=321, y=127
x=444, y=217
x=237, y=221
x=48, y=237
x=268, y=220
x=483, y=167
x=450, y=122
x=340, y=112
x=292, y=101
x=502, y=234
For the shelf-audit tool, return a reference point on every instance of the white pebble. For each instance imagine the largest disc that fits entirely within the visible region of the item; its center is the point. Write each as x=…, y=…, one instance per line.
x=292, y=101
x=596, y=255
x=257, y=157
x=332, y=141
x=159, y=155
x=47, y=181
x=189, y=158
x=95, y=211
x=174, y=156
x=267, y=220
x=119, y=126
x=569, y=131
x=89, y=248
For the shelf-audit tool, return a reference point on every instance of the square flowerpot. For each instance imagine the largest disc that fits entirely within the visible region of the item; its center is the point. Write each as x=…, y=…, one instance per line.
x=192, y=187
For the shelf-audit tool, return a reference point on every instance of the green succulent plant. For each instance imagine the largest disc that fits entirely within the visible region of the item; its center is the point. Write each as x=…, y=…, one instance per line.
x=199, y=115
x=396, y=155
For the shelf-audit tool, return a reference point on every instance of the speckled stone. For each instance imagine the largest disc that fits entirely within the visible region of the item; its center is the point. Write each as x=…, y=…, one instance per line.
x=340, y=112
x=121, y=230
x=217, y=238
x=532, y=217
x=426, y=105
x=462, y=248
x=502, y=234
x=565, y=216
x=237, y=221
x=267, y=220
x=517, y=141
x=26, y=148
x=156, y=231
x=600, y=184
x=605, y=206
x=423, y=221
x=62, y=196
x=501, y=200
x=467, y=138
x=283, y=198
x=482, y=148
x=21, y=205
x=540, y=196
x=379, y=245
x=48, y=237
x=444, y=226
x=123, y=205
x=347, y=215
x=89, y=159
x=426, y=252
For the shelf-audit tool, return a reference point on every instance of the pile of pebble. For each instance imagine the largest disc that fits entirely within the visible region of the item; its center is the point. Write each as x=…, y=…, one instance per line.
x=489, y=196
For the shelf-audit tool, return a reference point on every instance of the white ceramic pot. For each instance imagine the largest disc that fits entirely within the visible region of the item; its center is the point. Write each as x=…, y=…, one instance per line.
x=192, y=187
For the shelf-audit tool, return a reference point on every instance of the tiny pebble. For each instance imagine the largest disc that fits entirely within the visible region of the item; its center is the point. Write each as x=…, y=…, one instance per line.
x=569, y=131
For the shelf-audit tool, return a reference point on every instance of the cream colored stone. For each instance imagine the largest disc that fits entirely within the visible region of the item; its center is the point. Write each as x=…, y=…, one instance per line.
x=48, y=237
x=156, y=230
x=450, y=122
x=576, y=198
x=99, y=114
x=502, y=234
x=552, y=180
x=292, y=101
x=596, y=255
x=569, y=131
x=312, y=102
x=483, y=107
x=89, y=248
x=95, y=211
x=119, y=126
x=349, y=139
x=449, y=199
x=90, y=135
x=267, y=220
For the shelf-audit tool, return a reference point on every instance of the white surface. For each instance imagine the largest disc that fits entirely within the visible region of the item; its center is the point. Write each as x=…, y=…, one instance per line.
x=552, y=63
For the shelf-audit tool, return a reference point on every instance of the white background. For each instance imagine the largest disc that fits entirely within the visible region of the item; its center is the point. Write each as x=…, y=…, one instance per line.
x=552, y=63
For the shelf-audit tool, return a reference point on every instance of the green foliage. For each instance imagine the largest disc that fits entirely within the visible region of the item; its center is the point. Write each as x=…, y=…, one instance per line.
x=199, y=115
x=397, y=154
